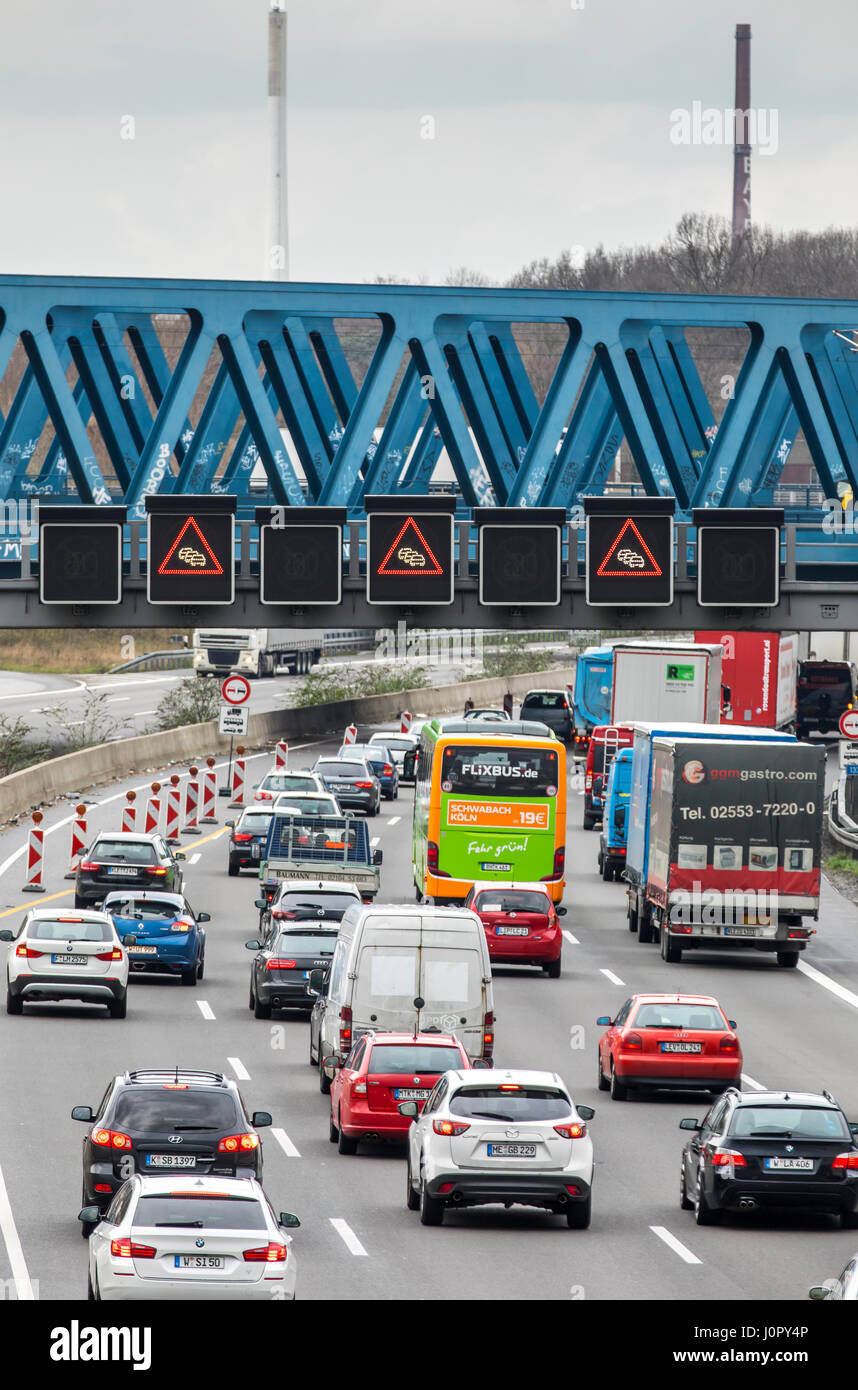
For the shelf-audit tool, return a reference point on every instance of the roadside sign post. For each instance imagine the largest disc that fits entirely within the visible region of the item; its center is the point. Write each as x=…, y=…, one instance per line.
x=235, y=693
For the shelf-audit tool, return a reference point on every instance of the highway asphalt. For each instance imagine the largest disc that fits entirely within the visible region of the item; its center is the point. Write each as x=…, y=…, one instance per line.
x=357, y=1240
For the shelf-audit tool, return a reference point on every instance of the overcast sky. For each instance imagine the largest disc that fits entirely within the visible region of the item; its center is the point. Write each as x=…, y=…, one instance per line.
x=552, y=129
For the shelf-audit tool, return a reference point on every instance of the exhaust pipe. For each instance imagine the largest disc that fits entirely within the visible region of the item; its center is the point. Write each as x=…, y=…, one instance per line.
x=747, y=1203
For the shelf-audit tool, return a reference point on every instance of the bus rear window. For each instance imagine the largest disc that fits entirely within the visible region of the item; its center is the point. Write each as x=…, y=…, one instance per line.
x=499, y=771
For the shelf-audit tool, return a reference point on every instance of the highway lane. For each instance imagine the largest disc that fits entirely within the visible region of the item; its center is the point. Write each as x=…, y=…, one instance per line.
x=794, y=1033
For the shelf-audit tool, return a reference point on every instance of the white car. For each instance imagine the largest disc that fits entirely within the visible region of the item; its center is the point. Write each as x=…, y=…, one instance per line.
x=72, y=954
x=282, y=781
x=511, y=1137
x=399, y=745
x=190, y=1237
x=307, y=803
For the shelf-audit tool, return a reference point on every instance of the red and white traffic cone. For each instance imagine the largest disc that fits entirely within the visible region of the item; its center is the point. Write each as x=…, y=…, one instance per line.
x=78, y=840
x=35, y=854
x=281, y=755
x=129, y=812
x=174, y=810
x=405, y=722
x=208, y=816
x=153, y=810
x=350, y=735
x=192, y=798
x=238, y=778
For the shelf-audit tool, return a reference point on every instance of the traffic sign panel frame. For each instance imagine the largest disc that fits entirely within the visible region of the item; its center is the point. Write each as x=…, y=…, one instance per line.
x=266, y=530
x=771, y=600
x=78, y=527
x=181, y=512
x=507, y=530
x=621, y=518
x=414, y=516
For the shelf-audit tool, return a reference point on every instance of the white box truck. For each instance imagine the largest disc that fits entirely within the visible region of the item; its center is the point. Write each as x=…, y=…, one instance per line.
x=667, y=680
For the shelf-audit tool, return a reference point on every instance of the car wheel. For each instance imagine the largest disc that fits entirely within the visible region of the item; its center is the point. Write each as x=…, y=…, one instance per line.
x=233, y=870
x=600, y=863
x=632, y=918
x=589, y=822
x=618, y=1090
x=552, y=969
x=345, y=1145
x=333, y=1132
x=14, y=1003
x=578, y=1214
x=645, y=927
x=189, y=977
x=670, y=950
x=788, y=959
x=685, y=1201
x=202, y=967
x=250, y=1001
x=119, y=1007
x=849, y=1220
x=601, y=1081
x=418, y=894
x=79, y=901
x=412, y=1198
x=704, y=1215
x=431, y=1208
x=260, y=1010
x=324, y=1080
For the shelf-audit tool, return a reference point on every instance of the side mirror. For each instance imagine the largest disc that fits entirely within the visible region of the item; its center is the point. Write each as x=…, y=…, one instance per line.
x=690, y=1124
x=288, y=1220
x=180, y=855
x=604, y=1021
x=377, y=857
x=853, y=1127
x=253, y=945
x=230, y=824
x=560, y=911
x=408, y=1108
x=129, y=940
x=204, y=916
x=82, y=1112
x=481, y=1064
x=89, y=1216
x=261, y=1118
x=585, y=1111
x=316, y=980
x=261, y=903
x=333, y=1061
x=733, y=1024
x=819, y=1291
x=6, y=936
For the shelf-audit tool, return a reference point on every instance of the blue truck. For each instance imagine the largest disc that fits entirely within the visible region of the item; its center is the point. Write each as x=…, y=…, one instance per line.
x=638, y=816
x=594, y=674
x=612, y=841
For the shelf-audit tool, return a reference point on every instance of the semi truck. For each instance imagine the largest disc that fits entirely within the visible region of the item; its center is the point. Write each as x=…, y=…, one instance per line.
x=255, y=651
x=826, y=690
x=760, y=669
x=594, y=674
x=666, y=680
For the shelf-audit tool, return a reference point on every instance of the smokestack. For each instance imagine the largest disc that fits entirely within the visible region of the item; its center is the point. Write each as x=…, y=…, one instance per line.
x=278, y=241
x=741, y=123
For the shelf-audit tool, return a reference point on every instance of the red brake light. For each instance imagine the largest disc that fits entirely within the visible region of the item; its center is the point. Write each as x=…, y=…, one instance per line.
x=358, y=1088
x=632, y=1040
x=345, y=1028
x=240, y=835
x=88, y=867
x=235, y=1142
x=729, y=1044
x=266, y=1254
x=559, y=865
x=153, y=869
x=431, y=856
x=115, y=954
x=264, y=796
x=110, y=1139
x=508, y=1086
x=845, y=1161
x=24, y=950
x=449, y=1127
x=725, y=1158
x=276, y=963
x=130, y=1250
x=572, y=1130
x=588, y=781
x=388, y=770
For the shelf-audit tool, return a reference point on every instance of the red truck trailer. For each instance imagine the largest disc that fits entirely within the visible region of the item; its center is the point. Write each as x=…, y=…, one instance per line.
x=761, y=671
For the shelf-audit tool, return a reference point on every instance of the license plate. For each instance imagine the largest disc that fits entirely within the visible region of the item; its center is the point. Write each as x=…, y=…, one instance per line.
x=70, y=960
x=340, y=786
x=171, y=1161
x=513, y=931
x=121, y=871
x=498, y=868
x=681, y=1047
x=409, y=1093
x=511, y=1150
x=198, y=1261
x=740, y=931
x=142, y=950
x=803, y=1165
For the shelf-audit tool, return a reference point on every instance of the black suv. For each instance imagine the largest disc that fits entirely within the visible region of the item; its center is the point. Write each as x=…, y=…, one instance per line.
x=771, y=1149
x=551, y=707
x=120, y=858
x=167, y=1122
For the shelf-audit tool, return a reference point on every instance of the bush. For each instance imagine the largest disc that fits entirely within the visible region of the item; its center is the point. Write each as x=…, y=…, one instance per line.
x=191, y=701
x=98, y=725
x=515, y=658
x=15, y=751
x=325, y=687
x=846, y=863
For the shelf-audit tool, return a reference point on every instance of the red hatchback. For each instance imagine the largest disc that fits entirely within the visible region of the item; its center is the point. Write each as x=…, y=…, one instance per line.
x=381, y=1071
x=521, y=924
x=679, y=1042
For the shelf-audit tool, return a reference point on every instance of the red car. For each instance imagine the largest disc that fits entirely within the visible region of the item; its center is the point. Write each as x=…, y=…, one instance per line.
x=521, y=924
x=680, y=1042
x=382, y=1070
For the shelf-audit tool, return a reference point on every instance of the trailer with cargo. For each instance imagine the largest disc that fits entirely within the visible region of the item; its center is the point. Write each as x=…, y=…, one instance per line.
x=260, y=651
x=335, y=848
x=760, y=670
x=666, y=680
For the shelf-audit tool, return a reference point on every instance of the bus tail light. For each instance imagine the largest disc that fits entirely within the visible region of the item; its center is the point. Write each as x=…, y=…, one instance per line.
x=559, y=865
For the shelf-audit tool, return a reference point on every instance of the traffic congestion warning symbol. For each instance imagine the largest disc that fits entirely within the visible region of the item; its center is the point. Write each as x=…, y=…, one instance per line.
x=413, y=553
x=190, y=554
x=629, y=556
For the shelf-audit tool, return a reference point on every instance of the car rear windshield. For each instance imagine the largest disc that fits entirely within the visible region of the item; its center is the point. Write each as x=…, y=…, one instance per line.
x=691, y=1016
x=306, y=943
x=129, y=852
x=288, y=782
x=254, y=824
x=501, y=771
x=545, y=701
x=309, y=806
x=58, y=930
x=145, y=909
x=396, y=745
x=334, y=769
x=824, y=674
x=163, y=1108
x=512, y=901
x=524, y=1103
x=394, y=1058
x=206, y=1212
x=789, y=1122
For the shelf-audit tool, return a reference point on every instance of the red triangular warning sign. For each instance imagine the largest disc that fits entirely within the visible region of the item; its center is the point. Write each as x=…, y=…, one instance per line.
x=188, y=557
x=632, y=560
x=410, y=553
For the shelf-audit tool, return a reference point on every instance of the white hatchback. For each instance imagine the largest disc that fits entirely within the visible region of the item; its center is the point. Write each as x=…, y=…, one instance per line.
x=190, y=1237
x=510, y=1137
x=58, y=955
x=275, y=782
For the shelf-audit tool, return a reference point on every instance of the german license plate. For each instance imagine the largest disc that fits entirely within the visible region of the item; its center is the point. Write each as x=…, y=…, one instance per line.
x=801, y=1165
x=69, y=960
x=740, y=931
x=171, y=1161
x=122, y=871
x=511, y=1150
x=409, y=1093
x=142, y=950
x=681, y=1047
x=198, y=1262
x=497, y=868
x=512, y=931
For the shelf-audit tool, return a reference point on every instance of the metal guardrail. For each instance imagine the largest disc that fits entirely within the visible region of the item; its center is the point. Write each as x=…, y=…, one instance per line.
x=172, y=660
x=841, y=827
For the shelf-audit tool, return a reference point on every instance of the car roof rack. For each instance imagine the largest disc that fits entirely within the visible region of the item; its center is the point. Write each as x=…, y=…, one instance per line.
x=173, y=1075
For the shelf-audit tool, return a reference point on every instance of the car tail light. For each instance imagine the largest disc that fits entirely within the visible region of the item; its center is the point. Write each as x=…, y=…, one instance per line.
x=103, y=1187
x=263, y=796
x=358, y=1088
x=280, y=915
x=387, y=770
x=130, y=1250
x=276, y=963
x=728, y=1158
x=24, y=950
x=575, y=1190
x=235, y=1143
x=489, y=1035
x=445, y=1187
x=849, y=1161
x=729, y=1044
x=345, y=1028
x=588, y=782
x=110, y=1139
x=632, y=1040
x=449, y=1127
x=799, y=935
x=240, y=835
x=115, y=954
x=88, y=867
x=364, y=786
x=510, y=1086
x=574, y=1129
x=680, y=929
x=432, y=857
x=155, y=870
x=559, y=865
x=266, y=1254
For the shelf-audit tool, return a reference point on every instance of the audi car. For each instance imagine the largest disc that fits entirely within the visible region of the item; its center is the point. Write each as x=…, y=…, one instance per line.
x=284, y=959
x=381, y=760
x=668, y=1042
x=353, y=783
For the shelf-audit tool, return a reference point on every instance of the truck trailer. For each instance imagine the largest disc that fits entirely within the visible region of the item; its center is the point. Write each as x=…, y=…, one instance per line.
x=666, y=680
x=760, y=669
x=258, y=651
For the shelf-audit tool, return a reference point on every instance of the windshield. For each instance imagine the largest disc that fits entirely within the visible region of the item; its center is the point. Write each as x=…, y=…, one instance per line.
x=58, y=930
x=134, y=852
x=512, y=901
x=335, y=769
x=546, y=701
x=309, y=805
x=144, y=910
x=396, y=745
x=333, y=905
x=520, y=1103
x=255, y=825
x=789, y=1121
x=288, y=782
x=305, y=943
x=701, y=1016
x=393, y=1057
x=207, y=1211
x=167, y=1109
x=502, y=771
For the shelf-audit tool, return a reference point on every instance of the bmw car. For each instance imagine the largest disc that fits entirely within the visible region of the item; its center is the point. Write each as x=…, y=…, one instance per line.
x=169, y=938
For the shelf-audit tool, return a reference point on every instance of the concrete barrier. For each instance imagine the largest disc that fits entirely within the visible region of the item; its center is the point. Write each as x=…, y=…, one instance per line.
x=75, y=773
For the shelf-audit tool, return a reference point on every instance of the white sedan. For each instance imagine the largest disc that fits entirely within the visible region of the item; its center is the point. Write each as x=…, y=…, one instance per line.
x=190, y=1237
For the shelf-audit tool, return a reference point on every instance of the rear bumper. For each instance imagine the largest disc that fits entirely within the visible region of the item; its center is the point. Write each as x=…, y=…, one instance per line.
x=125, y=1289
x=522, y=949
x=355, y=801
x=378, y=1122
x=245, y=860
x=285, y=996
x=706, y=1081
x=480, y=1188
x=98, y=989
x=806, y=1193
x=161, y=965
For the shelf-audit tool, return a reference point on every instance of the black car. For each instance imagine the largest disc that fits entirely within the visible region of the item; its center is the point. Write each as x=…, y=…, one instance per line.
x=247, y=837
x=170, y=1121
x=120, y=859
x=771, y=1149
x=551, y=707
x=283, y=962
x=353, y=783
x=825, y=691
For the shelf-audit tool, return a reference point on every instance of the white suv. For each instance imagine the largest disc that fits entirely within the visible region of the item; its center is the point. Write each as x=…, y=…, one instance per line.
x=58, y=954
x=513, y=1138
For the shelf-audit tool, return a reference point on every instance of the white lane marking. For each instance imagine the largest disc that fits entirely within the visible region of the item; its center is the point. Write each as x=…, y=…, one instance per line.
x=614, y=979
x=205, y=1009
x=145, y=711
x=827, y=983
x=285, y=1143
x=119, y=700
x=394, y=820
x=11, y=1239
x=573, y=940
x=751, y=1084
x=194, y=857
x=675, y=1245
x=241, y=1072
x=344, y=1230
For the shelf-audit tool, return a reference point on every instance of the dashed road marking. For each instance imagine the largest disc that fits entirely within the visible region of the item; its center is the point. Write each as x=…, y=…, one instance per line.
x=751, y=1084
x=285, y=1143
x=241, y=1072
x=344, y=1230
x=14, y=1250
x=394, y=820
x=194, y=857
x=205, y=1009
x=614, y=979
x=573, y=940
x=827, y=983
x=675, y=1245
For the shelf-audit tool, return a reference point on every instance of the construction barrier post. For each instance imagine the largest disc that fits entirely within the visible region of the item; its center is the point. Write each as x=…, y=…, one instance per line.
x=238, y=778
x=35, y=854
x=129, y=812
x=192, y=797
x=153, y=810
x=174, y=810
x=78, y=840
x=208, y=816
x=281, y=755
x=350, y=735
x=405, y=722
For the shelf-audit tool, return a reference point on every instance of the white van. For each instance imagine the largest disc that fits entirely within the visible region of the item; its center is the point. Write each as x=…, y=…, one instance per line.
x=402, y=968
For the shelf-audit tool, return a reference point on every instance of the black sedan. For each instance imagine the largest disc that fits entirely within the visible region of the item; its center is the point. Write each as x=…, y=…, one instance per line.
x=247, y=838
x=121, y=859
x=353, y=783
x=282, y=964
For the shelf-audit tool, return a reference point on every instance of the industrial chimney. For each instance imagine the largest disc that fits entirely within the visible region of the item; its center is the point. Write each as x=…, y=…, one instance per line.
x=278, y=240
x=741, y=124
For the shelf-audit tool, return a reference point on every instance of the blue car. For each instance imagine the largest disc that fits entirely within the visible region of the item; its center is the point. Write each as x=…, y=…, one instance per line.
x=169, y=937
